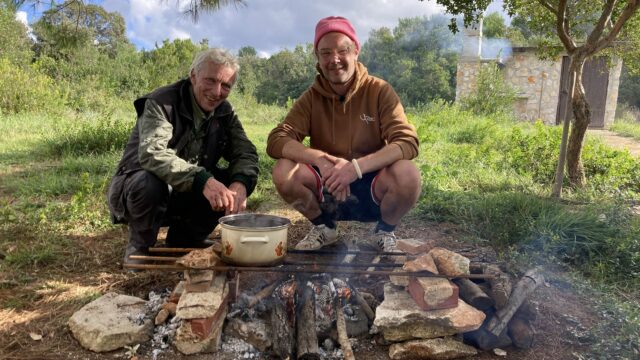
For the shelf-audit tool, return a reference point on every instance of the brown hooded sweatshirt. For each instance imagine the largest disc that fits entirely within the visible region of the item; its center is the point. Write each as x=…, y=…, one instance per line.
x=362, y=122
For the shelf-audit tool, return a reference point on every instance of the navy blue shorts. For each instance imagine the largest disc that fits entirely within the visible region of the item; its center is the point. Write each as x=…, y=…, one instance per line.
x=361, y=205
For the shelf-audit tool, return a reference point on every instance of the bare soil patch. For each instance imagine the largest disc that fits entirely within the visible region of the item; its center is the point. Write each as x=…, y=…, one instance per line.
x=39, y=302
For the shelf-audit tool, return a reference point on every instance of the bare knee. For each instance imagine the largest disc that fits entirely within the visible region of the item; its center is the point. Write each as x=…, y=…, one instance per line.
x=288, y=176
x=403, y=179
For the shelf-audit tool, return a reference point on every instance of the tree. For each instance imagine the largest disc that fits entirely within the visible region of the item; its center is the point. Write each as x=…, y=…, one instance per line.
x=418, y=58
x=493, y=26
x=584, y=29
x=15, y=44
x=74, y=25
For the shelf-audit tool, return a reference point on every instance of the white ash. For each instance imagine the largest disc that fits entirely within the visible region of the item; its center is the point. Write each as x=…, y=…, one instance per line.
x=156, y=300
x=239, y=347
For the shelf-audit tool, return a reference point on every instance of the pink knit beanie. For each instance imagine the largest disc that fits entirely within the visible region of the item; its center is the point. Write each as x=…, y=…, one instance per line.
x=335, y=24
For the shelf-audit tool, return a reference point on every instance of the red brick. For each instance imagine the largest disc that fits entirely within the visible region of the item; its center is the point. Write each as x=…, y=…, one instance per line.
x=433, y=293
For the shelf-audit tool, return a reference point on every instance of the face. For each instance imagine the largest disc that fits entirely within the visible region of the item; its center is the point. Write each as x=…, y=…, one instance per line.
x=212, y=85
x=337, y=55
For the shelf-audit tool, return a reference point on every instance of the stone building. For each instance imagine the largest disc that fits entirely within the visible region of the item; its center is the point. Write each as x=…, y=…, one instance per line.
x=542, y=86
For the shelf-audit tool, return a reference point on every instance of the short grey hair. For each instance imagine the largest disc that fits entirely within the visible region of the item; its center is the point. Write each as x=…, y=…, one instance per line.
x=217, y=56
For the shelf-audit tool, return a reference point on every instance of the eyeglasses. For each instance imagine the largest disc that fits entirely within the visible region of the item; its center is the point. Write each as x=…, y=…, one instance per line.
x=326, y=54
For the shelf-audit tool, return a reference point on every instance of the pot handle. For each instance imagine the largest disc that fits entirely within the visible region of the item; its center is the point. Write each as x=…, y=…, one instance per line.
x=254, y=239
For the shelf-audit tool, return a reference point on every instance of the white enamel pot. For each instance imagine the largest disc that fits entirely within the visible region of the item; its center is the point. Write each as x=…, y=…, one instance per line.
x=254, y=239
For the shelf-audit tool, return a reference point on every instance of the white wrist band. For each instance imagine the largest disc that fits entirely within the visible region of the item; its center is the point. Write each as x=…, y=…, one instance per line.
x=357, y=167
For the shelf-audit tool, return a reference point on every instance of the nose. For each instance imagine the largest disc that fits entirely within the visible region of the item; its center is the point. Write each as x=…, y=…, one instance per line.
x=216, y=89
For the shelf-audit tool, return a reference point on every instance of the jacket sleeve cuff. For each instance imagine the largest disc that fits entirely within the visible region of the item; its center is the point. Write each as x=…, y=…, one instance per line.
x=199, y=180
x=248, y=182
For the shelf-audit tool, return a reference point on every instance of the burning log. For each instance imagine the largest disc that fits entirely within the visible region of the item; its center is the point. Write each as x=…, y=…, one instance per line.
x=500, y=285
x=283, y=319
x=251, y=301
x=521, y=332
x=520, y=293
x=307, y=339
x=364, y=305
x=341, y=326
x=473, y=295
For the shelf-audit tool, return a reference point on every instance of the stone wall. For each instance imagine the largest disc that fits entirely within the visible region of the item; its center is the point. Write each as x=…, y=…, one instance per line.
x=537, y=84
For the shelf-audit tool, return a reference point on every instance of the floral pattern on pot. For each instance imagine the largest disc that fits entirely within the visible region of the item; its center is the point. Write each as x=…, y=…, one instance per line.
x=228, y=248
x=279, y=249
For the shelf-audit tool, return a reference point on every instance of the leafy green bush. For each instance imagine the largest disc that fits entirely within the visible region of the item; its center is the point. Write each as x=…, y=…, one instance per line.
x=93, y=135
x=23, y=89
x=493, y=94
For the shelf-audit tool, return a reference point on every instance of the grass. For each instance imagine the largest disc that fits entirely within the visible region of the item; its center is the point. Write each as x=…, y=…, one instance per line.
x=627, y=122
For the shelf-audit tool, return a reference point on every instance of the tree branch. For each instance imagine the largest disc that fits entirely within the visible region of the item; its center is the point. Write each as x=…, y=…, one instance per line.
x=562, y=24
x=549, y=7
x=604, y=19
x=627, y=13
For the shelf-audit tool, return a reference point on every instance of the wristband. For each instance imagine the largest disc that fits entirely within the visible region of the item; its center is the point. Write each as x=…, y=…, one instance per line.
x=357, y=167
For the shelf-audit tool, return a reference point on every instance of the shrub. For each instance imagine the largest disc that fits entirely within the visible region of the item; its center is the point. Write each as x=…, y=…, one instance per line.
x=493, y=94
x=24, y=89
x=93, y=135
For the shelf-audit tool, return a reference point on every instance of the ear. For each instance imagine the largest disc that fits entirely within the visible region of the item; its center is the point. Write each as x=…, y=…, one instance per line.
x=192, y=76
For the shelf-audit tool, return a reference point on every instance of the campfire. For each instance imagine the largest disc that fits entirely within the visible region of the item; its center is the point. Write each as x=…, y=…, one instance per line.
x=421, y=303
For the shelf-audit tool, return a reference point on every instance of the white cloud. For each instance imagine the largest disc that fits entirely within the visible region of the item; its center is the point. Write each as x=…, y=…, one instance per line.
x=22, y=17
x=267, y=25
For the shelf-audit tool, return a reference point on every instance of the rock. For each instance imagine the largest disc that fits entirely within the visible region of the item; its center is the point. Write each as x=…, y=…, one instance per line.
x=170, y=307
x=194, y=305
x=399, y=318
x=450, y=263
x=188, y=342
x=433, y=293
x=162, y=317
x=199, y=259
x=254, y=332
x=111, y=322
x=357, y=323
x=440, y=348
x=415, y=246
x=424, y=262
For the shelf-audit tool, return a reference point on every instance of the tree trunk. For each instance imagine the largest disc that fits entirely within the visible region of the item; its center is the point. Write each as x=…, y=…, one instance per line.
x=581, y=120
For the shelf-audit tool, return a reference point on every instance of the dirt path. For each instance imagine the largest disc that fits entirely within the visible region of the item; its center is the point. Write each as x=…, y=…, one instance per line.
x=617, y=141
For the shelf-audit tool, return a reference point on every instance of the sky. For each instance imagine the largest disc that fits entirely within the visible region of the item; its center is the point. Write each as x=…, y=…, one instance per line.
x=267, y=25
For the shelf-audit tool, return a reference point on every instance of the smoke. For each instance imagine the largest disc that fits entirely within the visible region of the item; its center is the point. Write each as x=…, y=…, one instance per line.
x=496, y=49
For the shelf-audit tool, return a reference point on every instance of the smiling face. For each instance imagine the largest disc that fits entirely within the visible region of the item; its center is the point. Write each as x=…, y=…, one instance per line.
x=211, y=84
x=337, y=56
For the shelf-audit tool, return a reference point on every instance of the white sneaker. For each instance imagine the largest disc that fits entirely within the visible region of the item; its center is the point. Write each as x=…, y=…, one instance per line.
x=386, y=241
x=319, y=236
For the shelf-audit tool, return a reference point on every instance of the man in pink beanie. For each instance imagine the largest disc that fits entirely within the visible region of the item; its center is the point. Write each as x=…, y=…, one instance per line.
x=358, y=165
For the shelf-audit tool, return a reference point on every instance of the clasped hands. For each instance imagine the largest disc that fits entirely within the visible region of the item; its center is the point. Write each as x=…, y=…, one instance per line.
x=231, y=200
x=337, y=174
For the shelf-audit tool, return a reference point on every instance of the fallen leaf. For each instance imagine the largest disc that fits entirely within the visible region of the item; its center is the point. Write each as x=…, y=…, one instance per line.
x=35, y=336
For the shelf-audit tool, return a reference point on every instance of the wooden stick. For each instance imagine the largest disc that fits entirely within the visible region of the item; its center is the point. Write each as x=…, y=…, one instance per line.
x=500, y=285
x=266, y=291
x=306, y=337
x=341, y=326
x=472, y=294
x=282, y=326
x=529, y=282
x=364, y=305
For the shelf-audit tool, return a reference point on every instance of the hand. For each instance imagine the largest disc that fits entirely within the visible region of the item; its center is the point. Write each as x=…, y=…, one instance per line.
x=325, y=164
x=218, y=195
x=338, y=179
x=240, y=201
